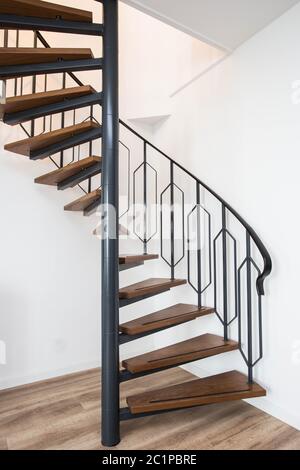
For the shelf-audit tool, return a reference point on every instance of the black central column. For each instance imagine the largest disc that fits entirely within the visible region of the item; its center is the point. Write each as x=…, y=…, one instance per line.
x=110, y=229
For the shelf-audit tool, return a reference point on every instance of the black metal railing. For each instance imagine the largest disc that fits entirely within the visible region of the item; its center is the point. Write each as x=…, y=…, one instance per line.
x=224, y=262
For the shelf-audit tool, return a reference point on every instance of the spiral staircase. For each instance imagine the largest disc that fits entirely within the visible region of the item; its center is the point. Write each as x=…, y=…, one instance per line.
x=246, y=274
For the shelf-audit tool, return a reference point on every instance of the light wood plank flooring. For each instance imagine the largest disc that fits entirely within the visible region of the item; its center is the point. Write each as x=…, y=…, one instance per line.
x=64, y=414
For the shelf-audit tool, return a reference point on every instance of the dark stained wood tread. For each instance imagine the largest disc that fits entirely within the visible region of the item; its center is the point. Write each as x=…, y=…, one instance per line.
x=31, y=55
x=57, y=176
x=219, y=388
x=24, y=147
x=41, y=9
x=25, y=102
x=150, y=286
x=170, y=316
x=84, y=202
x=187, y=351
x=131, y=259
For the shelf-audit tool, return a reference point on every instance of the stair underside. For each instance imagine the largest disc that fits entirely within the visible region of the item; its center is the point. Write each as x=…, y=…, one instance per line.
x=132, y=259
x=219, y=388
x=26, y=146
x=22, y=103
x=187, y=351
x=43, y=9
x=57, y=176
x=29, y=55
x=148, y=287
x=168, y=317
x=84, y=202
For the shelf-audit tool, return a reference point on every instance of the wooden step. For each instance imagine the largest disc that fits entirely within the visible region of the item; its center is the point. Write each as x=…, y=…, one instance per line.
x=17, y=104
x=132, y=259
x=150, y=286
x=181, y=353
x=57, y=176
x=26, y=146
x=84, y=202
x=219, y=388
x=30, y=55
x=41, y=9
x=168, y=317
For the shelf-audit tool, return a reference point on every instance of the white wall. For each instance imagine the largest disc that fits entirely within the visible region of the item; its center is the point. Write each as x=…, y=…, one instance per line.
x=156, y=60
x=49, y=277
x=242, y=130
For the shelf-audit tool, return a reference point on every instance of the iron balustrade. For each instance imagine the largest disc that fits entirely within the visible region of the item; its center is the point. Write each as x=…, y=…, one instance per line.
x=223, y=261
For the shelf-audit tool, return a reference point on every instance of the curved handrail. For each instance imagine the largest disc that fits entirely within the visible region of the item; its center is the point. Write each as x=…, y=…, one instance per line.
x=261, y=247
x=267, y=269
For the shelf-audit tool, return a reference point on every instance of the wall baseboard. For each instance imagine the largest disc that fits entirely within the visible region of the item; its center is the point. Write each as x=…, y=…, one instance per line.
x=11, y=382
x=264, y=404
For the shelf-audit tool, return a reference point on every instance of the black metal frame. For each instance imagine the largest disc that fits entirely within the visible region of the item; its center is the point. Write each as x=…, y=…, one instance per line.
x=110, y=242
x=30, y=23
x=13, y=71
x=77, y=139
x=61, y=107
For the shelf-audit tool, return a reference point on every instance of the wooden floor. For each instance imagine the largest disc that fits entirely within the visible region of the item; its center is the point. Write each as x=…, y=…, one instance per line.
x=64, y=414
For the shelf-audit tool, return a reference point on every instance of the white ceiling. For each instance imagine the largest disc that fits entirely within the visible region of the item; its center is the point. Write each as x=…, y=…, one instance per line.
x=223, y=23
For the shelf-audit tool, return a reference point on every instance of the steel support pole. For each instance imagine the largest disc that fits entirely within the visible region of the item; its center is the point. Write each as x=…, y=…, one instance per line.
x=110, y=242
x=145, y=200
x=172, y=220
x=225, y=279
x=199, y=253
x=249, y=309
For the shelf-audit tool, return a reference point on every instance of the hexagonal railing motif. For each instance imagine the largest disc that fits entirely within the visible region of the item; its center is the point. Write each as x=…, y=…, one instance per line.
x=146, y=170
x=201, y=253
x=249, y=264
x=128, y=158
x=225, y=291
x=173, y=261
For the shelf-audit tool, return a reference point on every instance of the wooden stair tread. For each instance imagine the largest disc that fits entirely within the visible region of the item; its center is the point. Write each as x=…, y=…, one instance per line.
x=59, y=175
x=131, y=259
x=170, y=316
x=41, y=9
x=187, y=351
x=219, y=388
x=25, y=102
x=31, y=55
x=24, y=147
x=84, y=202
x=150, y=286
